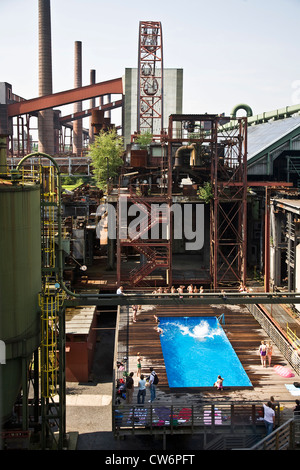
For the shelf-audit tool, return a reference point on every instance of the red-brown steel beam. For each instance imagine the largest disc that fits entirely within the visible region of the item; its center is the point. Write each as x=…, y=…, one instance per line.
x=269, y=184
x=88, y=112
x=65, y=97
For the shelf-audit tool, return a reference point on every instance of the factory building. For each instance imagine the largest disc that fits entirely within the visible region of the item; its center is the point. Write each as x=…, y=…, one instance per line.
x=173, y=99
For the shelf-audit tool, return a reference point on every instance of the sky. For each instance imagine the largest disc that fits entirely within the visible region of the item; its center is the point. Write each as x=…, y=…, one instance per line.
x=231, y=51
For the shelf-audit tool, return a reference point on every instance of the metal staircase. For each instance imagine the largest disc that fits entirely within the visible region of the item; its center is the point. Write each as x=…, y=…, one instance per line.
x=51, y=302
x=156, y=257
x=232, y=441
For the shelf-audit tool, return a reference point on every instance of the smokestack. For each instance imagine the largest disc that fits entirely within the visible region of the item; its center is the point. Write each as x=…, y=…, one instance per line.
x=77, y=124
x=92, y=105
x=45, y=117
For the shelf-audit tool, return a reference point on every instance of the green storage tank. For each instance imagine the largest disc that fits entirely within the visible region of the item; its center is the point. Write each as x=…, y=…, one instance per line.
x=20, y=284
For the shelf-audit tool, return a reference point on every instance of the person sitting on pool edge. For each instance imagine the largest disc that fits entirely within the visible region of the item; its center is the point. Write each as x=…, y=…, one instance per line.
x=219, y=383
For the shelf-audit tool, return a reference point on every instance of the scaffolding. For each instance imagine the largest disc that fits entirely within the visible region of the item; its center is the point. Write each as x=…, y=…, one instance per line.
x=51, y=359
x=229, y=203
x=150, y=78
x=52, y=315
x=151, y=242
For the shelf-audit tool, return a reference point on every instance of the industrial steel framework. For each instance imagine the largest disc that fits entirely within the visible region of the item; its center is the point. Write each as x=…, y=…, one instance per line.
x=225, y=151
x=51, y=364
x=151, y=240
x=22, y=110
x=150, y=78
x=229, y=203
x=217, y=156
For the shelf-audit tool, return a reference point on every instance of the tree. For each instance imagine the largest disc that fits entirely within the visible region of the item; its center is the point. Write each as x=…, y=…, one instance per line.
x=106, y=153
x=205, y=192
x=144, y=139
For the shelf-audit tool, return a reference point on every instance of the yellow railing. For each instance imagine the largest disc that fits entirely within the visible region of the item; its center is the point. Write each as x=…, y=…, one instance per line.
x=49, y=207
x=51, y=299
x=294, y=339
x=50, y=305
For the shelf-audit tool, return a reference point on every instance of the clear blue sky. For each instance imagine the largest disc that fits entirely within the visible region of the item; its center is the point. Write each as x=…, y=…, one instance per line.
x=234, y=51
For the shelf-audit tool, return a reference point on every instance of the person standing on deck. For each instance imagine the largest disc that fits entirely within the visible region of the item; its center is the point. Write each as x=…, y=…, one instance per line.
x=139, y=365
x=152, y=382
x=263, y=353
x=269, y=417
x=269, y=352
x=129, y=388
x=142, y=390
x=134, y=312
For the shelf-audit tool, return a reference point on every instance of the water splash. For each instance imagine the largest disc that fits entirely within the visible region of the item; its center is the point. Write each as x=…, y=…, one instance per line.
x=199, y=332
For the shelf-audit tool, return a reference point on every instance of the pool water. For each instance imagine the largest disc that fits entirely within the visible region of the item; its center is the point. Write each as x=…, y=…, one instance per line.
x=196, y=350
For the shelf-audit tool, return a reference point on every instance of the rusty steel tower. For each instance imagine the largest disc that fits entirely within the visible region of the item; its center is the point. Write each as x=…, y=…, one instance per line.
x=150, y=78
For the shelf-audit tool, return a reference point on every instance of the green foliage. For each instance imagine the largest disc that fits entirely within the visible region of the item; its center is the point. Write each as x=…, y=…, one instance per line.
x=205, y=192
x=106, y=153
x=71, y=180
x=144, y=139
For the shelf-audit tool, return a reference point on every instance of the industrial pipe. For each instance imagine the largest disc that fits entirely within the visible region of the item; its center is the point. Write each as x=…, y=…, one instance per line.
x=245, y=107
x=177, y=162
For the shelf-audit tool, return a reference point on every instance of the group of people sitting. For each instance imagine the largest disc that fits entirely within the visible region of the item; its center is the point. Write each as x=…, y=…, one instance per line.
x=193, y=289
x=180, y=290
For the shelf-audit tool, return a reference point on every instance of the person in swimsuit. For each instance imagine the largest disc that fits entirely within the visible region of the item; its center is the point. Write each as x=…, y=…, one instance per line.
x=180, y=291
x=134, y=311
x=269, y=352
x=263, y=353
x=219, y=383
x=139, y=365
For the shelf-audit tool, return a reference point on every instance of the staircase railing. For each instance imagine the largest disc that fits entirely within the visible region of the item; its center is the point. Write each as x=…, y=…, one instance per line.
x=280, y=439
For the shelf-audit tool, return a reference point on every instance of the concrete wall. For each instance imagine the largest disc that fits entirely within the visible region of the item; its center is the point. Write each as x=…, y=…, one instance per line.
x=172, y=96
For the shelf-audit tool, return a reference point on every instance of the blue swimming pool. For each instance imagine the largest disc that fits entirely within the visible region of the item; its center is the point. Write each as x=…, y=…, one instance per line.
x=196, y=350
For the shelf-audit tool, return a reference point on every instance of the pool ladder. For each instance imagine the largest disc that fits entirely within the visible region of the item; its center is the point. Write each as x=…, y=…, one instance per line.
x=221, y=319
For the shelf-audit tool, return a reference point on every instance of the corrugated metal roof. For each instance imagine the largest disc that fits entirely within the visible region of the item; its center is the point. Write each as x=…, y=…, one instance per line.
x=79, y=320
x=261, y=136
x=290, y=204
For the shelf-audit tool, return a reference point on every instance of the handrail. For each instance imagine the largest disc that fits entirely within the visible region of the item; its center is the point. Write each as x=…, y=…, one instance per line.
x=287, y=350
x=279, y=439
x=292, y=336
x=221, y=318
x=166, y=416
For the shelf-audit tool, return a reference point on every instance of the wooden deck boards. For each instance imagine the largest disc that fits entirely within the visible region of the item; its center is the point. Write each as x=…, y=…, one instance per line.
x=244, y=333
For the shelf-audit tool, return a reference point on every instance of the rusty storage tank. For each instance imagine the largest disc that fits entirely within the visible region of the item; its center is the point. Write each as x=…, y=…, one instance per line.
x=20, y=284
